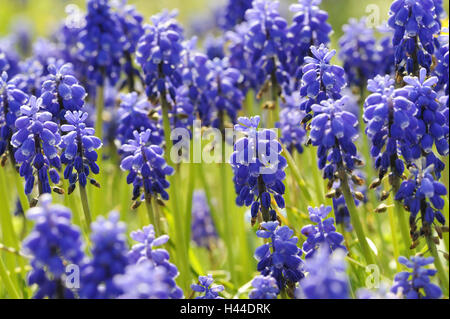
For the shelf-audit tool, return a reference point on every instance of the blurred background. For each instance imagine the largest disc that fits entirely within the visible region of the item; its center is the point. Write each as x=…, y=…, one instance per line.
x=43, y=16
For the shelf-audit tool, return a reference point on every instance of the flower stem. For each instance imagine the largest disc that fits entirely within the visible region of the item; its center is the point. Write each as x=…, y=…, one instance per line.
x=402, y=218
x=356, y=222
x=6, y=279
x=85, y=204
x=442, y=273
x=151, y=213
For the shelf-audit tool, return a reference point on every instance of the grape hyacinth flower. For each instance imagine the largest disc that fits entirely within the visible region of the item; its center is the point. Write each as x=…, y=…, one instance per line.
x=4, y=63
x=391, y=125
x=258, y=169
x=333, y=131
x=415, y=24
x=36, y=140
x=266, y=41
x=145, y=252
x=133, y=115
x=322, y=234
x=206, y=288
x=234, y=13
x=53, y=243
x=146, y=165
x=293, y=133
x=11, y=99
x=264, y=287
x=144, y=281
x=62, y=92
x=309, y=27
x=386, y=51
x=109, y=258
x=358, y=51
x=321, y=80
x=415, y=284
x=158, y=53
x=79, y=145
x=196, y=87
x=280, y=256
x=432, y=128
x=202, y=227
x=422, y=193
x=131, y=23
x=224, y=93
x=239, y=57
x=326, y=277
x=101, y=43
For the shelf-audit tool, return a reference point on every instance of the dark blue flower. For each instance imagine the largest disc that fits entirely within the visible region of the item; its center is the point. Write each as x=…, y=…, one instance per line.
x=321, y=80
x=202, y=226
x=432, y=128
x=62, y=92
x=422, y=193
x=102, y=43
x=36, y=140
x=280, y=256
x=265, y=287
x=334, y=131
x=146, y=251
x=158, y=53
x=358, y=52
x=224, y=94
x=234, y=13
x=79, y=149
x=205, y=287
x=258, y=169
x=322, y=234
x=109, y=258
x=442, y=67
x=309, y=27
x=391, y=125
x=326, y=276
x=11, y=99
x=52, y=244
x=266, y=43
x=239, y=57
x=415, y=284
x=133, y=115
x=415, y=24
x=146, y=165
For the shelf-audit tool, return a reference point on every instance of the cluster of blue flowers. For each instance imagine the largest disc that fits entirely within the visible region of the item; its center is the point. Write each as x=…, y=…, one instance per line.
x=79, y=145
x=53, y=243
x=109, y=251
x=205, y=287
x=258, y=169
x=202, y=226
x=280, y=256
x=415, y=25
x=146, y=253
x=36, y=140
x=234, y=13
x=415, y=284
x=265, y=287
x=326, y=276
x=309, y=27
x=323, y=234
x=391, y=123
x=146, y=165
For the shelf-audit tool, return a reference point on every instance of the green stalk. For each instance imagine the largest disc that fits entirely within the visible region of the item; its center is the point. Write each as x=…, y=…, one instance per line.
x=442, y=273
x=85, y=204
x=296, y=172
x=356, y=222
x=6, y=278
x=394, y=236
x=20, y=189
x=188, y=213
x=152, y=214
